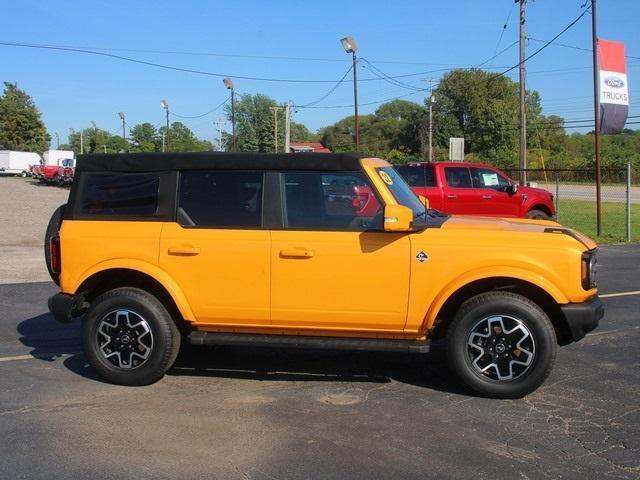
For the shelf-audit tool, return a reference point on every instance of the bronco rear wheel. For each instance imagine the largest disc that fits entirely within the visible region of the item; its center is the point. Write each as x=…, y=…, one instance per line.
x=129, y=337
x=501, y=345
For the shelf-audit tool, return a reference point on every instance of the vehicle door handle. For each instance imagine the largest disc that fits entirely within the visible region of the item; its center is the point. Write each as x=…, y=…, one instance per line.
x=487, y=197
x=451, y=197
x=184, y=251
x=296, y=253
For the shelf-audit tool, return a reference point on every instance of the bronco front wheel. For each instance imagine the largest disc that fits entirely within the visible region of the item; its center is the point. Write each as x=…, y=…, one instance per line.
x=501, y=345
x=129, y=337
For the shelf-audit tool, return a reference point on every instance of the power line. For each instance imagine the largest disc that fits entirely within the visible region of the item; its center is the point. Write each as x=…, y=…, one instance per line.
x=377, y=102
x=547, y=43
x=504, y=27
x=382, y=75
x=331, y=90
x=497, y=55
x=572, y=46
x=199, y=72
x=199, y=116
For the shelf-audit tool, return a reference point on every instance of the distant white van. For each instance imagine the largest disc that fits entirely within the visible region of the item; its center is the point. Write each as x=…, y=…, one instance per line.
x=17, y=163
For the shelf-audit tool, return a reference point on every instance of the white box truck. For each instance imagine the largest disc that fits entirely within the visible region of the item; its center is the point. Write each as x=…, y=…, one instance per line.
x=17, y=163
x=55, y=157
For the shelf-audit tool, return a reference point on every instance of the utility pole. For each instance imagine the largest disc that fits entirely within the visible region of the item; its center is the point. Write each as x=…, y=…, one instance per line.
x=287, y=126
x=523, y=114
x=82, y=141
x=57, y=140
x=219, y=122
x=431, y=101
x=275, y=126
x=596, y=111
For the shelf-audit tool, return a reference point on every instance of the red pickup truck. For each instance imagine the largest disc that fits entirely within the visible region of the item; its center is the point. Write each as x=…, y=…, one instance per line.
x=476, y=189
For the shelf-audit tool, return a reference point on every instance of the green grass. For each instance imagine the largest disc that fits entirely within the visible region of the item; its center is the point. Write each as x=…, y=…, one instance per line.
x=581, y=215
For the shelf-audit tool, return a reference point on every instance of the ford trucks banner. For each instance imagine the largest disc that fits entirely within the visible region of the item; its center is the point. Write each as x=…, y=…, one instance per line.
x=614, y=91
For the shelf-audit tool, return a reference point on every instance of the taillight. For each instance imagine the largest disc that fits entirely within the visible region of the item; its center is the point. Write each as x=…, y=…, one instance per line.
x=54, y=254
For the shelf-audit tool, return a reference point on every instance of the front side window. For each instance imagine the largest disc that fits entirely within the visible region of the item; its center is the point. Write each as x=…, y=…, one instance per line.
x=330, y=201
x=119, y=195
x=400, y=190
x=458, y=177
x=487, y=178
x=221, y=199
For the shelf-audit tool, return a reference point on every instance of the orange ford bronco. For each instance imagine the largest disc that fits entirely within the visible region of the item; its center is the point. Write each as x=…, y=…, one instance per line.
x=307, y=250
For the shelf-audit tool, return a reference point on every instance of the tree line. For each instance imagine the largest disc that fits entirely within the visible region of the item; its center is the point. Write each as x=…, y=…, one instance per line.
x=480, y=106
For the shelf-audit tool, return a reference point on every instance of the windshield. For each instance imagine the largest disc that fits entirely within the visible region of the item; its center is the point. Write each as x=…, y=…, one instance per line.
x=400, y=190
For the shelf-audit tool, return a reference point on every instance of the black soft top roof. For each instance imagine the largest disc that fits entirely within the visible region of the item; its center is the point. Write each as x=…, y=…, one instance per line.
x=151, y=162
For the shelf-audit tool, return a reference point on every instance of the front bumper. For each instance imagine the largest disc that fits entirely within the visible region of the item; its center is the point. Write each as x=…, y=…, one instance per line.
x=583, y=317
x=63, y=307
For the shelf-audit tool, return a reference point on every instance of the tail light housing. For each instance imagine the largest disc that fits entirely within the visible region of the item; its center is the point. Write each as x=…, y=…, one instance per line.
x=54, y=254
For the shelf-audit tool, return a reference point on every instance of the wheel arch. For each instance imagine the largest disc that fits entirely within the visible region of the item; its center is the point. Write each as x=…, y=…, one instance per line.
x=441, y=318
x=146, y=277
x=542, y=207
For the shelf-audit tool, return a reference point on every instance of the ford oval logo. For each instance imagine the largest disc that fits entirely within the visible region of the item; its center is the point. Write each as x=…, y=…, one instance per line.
x=614, y=82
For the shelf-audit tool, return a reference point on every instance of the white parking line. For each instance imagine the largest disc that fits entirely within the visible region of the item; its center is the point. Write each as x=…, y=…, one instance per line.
x=621, y=294
x=16, y=357
x=35, y=357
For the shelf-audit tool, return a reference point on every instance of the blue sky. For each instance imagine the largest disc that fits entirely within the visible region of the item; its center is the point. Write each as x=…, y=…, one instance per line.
x=416, y=38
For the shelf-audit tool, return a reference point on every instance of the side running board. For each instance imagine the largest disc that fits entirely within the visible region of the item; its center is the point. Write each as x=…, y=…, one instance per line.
x=295, y=341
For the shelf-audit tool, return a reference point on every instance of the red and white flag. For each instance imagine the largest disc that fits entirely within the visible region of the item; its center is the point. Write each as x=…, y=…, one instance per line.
x=614, y=89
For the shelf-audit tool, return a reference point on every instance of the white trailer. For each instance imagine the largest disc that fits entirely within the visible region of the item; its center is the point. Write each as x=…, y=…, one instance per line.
x=55, y=157
x=17, y=163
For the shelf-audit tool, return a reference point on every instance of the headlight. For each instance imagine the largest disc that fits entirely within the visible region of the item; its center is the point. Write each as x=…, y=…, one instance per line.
x=588, y=269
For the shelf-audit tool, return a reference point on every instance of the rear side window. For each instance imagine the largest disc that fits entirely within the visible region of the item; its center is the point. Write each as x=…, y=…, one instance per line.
x=221, y=199
x=418, y=175
x=126, y=195
x=458, y=177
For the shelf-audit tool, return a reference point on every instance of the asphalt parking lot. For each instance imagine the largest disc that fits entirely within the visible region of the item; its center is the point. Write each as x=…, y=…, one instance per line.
x=276, y=414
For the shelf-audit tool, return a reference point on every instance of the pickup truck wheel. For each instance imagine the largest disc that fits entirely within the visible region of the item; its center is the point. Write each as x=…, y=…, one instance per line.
x=53, y=228
x=501, y=345
x=129, y=337
x=538, y=215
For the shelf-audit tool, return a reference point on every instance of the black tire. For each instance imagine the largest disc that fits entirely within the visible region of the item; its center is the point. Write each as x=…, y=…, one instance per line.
x=164, y=336
x=53, y=228
x=23, y=174
x=467, y=326
x=538, y=215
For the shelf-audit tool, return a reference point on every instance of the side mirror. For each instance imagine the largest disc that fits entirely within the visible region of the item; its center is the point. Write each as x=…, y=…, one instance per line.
x=512, y=189
x=424, y=201
x=397, y=218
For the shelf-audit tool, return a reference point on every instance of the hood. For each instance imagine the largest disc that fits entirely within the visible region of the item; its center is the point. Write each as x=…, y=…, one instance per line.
x=536, y=190
x=462, y=222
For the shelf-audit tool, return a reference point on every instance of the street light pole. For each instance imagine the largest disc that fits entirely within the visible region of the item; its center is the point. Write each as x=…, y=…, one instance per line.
x=229, y=84
x=350, y=46
x=57, y=140
x=164, y=104
x=121, y=115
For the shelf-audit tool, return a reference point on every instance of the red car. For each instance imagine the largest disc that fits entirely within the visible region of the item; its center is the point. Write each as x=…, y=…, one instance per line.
x=476, y=189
